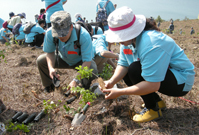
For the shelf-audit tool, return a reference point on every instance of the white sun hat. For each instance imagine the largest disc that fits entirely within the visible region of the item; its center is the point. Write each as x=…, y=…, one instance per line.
x=124, y=25
x=78, y=15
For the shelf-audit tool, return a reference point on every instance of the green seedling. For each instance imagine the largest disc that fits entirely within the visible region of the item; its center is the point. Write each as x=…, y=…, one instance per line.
x=48, y=106
x=71, y=110
x=83, y=72
x=107, y=71
x=15, y=126
x=87, y=95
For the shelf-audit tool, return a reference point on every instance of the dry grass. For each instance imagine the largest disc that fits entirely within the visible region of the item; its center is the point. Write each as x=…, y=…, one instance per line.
x=21, y=90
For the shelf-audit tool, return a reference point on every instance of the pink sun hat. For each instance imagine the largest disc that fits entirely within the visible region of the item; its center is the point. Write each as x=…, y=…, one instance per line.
x=124, y=25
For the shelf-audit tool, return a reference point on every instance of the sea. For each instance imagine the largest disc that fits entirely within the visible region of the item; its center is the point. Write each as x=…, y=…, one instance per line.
x=166, y=9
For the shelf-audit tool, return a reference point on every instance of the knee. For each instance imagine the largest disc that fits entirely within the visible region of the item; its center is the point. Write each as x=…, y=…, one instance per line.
x=94, y=67
x=41, y=60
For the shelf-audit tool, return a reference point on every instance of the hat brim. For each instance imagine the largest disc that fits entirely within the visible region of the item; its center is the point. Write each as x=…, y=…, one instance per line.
x=129, y=33
x=60, y=32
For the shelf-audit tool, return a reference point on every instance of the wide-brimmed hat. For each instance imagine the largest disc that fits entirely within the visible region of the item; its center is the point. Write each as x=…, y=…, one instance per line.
x=124, y=25
x=22, y=15
x=61, y=23
x=78, y=15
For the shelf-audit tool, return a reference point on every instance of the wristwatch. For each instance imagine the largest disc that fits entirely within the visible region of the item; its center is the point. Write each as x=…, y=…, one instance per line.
x=76, y=80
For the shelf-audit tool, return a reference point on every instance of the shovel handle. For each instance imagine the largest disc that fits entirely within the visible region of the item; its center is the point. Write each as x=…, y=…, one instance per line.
x=85, y=107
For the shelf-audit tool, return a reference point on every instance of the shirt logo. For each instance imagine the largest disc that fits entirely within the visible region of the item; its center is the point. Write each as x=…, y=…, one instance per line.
x=127, y=51
x=72, y=52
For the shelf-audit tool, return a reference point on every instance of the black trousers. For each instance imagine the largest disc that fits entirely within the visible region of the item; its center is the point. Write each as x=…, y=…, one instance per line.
x=48, y=25
x=38, y=41
x=168, y=87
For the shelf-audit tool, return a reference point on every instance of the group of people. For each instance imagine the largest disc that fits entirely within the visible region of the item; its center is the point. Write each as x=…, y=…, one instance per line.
x=149, y=60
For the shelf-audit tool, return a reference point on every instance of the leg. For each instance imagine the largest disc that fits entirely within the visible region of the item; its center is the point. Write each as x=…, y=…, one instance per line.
x=39, y=39
x=43, y=69
x=100, y=63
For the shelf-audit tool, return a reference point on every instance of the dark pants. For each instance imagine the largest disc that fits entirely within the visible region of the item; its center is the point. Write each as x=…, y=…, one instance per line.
x=38, y=41
x=48, y=25
x=168, y=87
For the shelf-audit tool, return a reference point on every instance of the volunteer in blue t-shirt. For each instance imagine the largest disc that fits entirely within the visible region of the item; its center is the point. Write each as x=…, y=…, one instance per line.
x=69, y=54
x=109, y=8
x=21, y=36
x=55, y=5
x=3, y=35
x=101, y=54
x=36, y=35
x=149, y=61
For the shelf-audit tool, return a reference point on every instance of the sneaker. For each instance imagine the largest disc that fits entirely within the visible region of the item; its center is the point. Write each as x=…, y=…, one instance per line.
x=147, y=115
x=161, y=105
x=2, y=106
x=49, y=88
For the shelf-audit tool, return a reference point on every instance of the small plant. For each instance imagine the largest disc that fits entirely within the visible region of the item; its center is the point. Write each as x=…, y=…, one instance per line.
x=83, y=72
x=71, y=110
x=15, y=126
x=87, y=95
x=2, y=55
x=107, y=71
x=48, y=106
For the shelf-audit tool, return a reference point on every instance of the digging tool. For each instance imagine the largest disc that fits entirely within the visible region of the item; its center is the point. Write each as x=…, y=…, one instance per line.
x=79, y=117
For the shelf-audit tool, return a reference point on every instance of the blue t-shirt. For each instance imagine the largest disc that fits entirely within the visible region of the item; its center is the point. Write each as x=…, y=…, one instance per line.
x=99, y=31
x=1, y=23
x=99, y=45
x=157, y=52
x=68, y=51
x=53, y=9
x=21, y=33
x=109, y=8
x=3, y=33
x=37, y=29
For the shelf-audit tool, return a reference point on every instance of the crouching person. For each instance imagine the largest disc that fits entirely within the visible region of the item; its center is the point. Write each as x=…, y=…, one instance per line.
x=101, y=53
x=69, y=56
x=149, y=61
x=36, y=35
x=3, y=35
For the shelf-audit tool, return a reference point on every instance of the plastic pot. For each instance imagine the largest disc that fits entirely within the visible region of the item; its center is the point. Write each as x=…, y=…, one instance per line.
x=21, y=118
x=14, y=118
x=29, y=119
x=39, y=116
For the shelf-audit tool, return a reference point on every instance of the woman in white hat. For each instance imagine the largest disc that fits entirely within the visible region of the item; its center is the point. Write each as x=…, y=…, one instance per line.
x=149, y=61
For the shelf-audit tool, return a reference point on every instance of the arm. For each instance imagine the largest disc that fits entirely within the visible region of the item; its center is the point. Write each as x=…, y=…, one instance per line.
x=50, y=58
x=109, y=61
x=108, y=54
x=119, y=74
x=141, y=88
x=5, y=39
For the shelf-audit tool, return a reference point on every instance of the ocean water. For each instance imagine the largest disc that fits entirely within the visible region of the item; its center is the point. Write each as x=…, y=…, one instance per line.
x=167, y=9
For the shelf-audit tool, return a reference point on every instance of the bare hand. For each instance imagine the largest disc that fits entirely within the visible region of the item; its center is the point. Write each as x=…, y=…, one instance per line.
x=72, y=84
x=112, y=93
x=53, y=73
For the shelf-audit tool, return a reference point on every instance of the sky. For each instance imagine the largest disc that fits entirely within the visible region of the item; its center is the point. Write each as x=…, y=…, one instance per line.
x=167, y=9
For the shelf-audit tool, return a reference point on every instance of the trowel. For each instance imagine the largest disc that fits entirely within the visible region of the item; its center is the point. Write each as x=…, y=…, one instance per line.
x=79, y=117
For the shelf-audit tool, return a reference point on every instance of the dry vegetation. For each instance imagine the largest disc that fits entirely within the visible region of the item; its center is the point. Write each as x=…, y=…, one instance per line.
x=20, y=82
